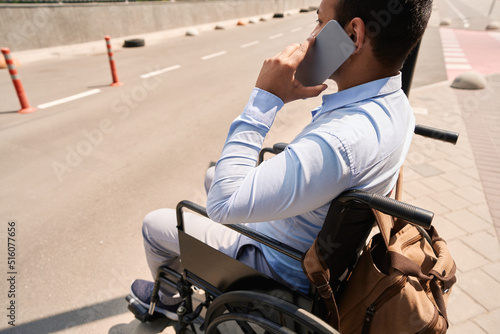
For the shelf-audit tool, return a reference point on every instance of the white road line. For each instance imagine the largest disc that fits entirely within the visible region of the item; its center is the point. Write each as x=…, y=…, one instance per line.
x=454, y=54
x=276, y=36
x=459, y=13
x=249, y=44
x=68, y=99
x=296, y=29
x=455, y=60
x=167, y=69
x=452, y=50
x=213, y=55
x=458, y=67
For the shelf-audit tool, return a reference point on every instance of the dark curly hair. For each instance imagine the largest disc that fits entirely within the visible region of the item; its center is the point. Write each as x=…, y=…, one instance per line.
x=393, y=26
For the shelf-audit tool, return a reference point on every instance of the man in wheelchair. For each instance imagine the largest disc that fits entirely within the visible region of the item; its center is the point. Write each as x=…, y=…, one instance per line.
x=357, y=139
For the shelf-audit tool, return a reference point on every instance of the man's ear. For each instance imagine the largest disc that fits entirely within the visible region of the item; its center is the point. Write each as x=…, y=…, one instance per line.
x=356, y=31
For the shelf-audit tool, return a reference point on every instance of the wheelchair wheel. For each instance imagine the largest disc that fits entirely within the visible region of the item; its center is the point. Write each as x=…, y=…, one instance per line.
x=255, y=312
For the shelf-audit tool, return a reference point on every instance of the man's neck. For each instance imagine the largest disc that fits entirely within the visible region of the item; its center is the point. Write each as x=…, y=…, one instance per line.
x=361, y=70
x=358, y=77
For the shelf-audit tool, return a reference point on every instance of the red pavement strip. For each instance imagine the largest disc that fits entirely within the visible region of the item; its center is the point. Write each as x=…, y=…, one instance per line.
x=480, y=50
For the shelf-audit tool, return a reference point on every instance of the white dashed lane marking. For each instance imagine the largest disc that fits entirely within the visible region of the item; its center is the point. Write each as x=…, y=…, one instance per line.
x=246, y=45
x=168, y=69
x=213, y=55
x=68, y=99
x=276, y=36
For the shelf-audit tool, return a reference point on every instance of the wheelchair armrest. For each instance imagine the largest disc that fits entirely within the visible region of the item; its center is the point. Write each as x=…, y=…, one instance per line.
x=405, y=211
x=267, y=241
x=252, y=234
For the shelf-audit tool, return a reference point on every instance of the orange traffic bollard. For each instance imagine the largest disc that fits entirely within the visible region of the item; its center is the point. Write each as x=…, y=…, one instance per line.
x=116, y=82
x=25, y=105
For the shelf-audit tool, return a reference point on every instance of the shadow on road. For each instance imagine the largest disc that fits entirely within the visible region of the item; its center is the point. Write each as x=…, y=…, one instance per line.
x=87, y=315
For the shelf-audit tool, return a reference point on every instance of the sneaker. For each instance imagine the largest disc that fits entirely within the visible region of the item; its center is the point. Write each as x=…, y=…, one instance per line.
x=142, y=290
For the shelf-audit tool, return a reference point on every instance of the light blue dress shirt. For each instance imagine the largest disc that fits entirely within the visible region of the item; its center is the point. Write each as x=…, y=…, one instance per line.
x=357, y=139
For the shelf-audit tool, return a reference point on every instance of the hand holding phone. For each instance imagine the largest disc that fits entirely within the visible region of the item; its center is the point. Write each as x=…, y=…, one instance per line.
x=277, y=75
x=330, y=50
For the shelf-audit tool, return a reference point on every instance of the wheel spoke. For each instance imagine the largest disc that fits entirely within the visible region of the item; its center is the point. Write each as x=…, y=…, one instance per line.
x=258, y=313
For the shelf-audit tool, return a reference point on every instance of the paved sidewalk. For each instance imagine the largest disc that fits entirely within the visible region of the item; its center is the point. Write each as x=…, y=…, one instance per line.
x=447, y=180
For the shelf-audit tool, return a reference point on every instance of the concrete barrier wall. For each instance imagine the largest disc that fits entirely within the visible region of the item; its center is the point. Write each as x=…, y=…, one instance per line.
x=26, y=27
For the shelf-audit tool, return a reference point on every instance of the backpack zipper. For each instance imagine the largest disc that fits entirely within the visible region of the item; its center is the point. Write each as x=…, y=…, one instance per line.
x=387, y=294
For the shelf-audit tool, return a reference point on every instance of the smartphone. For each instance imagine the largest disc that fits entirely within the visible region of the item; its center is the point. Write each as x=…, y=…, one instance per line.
x=330, y=50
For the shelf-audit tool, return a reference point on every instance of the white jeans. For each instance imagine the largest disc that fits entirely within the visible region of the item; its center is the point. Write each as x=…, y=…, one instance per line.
x=161, y=242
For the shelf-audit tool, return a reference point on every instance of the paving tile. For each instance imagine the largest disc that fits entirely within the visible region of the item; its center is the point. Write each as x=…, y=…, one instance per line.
x=446, y=229
x=493, y=270
x=438, y=183
x=407, y=197
x=467, y=327
x=410, y=174
x=487, y=166
x=472, y=194
x=445, y=164
x=444, y=151
x=482, y=288
x=426, y=145
x=472, y=173
x=483, y=211
x=495, y=213
x=489, y=177
x=415, y=157
x=426, y=169
x=417, y=189
x=493, y=196
x=485, y=244
x=465, y=257
x=462, y=160
x=459, y=178
x=430, y=204
x=457, y=313
x=489, y=322
x=451, y=200
x=486, y=158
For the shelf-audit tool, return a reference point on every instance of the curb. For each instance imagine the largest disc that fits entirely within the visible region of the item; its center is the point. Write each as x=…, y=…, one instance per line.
x=88, y=48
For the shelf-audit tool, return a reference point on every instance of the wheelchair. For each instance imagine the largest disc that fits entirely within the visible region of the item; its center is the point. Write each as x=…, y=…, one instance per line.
x=239, y=299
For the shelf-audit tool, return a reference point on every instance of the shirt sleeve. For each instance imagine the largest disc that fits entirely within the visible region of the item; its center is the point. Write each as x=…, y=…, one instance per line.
x=292, y=183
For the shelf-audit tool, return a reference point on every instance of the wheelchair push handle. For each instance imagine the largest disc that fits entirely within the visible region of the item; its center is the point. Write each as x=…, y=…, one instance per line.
x=401, y=210
x=276, y=149
x=439, y=134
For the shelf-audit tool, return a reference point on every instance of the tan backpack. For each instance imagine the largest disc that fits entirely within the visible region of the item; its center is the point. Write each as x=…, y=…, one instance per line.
x=400, y=284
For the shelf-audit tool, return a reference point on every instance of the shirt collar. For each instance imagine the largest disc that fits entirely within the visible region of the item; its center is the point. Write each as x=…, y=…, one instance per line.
x=359, y=93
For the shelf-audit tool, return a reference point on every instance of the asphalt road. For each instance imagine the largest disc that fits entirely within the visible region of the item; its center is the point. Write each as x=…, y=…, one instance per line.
x=78, y=177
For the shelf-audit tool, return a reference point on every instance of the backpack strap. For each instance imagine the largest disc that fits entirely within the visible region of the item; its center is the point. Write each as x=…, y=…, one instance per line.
x=318, y=274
